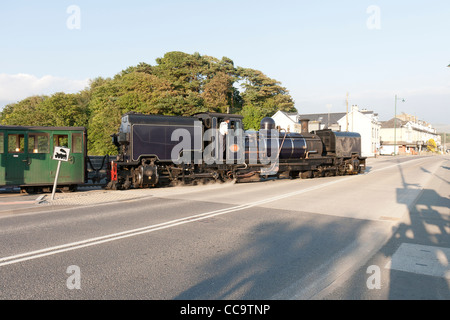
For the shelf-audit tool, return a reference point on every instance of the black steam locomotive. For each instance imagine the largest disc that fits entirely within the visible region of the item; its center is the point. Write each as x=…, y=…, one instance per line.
x=158, y=150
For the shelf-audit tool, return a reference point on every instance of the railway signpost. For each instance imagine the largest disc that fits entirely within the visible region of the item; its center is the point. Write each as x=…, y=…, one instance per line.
x=60, y=154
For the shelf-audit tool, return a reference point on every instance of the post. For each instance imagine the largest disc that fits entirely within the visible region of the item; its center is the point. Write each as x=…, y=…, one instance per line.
x=56, y=180
x=395, y=127
x=60, y=154
x=346, y=117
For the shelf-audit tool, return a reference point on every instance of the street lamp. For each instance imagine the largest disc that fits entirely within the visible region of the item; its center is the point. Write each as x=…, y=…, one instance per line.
x=395, y=124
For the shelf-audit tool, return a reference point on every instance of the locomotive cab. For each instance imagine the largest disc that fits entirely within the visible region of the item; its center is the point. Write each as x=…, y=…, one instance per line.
x=225, y=131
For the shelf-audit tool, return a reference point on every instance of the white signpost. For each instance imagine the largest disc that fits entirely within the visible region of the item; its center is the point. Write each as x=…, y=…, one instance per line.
x=60, y=154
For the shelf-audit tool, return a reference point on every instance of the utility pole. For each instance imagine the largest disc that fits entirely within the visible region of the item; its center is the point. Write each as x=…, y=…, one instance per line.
x=346, y=118
x=395, y=124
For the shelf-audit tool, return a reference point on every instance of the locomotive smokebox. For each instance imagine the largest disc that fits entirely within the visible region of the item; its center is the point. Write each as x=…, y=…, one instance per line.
x=305, y=125
x=267, y=124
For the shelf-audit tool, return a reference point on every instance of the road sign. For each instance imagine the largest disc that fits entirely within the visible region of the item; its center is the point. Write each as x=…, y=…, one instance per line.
x=61, y=154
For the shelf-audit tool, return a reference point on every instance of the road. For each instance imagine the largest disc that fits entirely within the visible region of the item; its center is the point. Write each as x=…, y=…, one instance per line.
x=277, y=239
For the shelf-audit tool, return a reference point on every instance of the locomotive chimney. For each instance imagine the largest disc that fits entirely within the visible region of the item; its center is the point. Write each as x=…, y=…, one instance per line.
x=305, y=125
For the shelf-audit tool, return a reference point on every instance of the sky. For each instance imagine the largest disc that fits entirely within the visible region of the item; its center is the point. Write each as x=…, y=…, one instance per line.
x=319, y=50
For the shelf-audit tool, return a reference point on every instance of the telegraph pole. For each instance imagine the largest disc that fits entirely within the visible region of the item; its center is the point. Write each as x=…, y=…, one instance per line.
x=395, y=124
x=347, y=114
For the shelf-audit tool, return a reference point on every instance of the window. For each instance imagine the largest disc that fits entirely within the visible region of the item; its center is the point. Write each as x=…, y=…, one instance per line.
x=77, y=143
x=16, y=143
x=60, y=140
x=2, y=144
x=38, y=143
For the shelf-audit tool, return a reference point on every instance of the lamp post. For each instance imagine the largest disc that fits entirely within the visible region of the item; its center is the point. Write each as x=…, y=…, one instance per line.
x=395, y=124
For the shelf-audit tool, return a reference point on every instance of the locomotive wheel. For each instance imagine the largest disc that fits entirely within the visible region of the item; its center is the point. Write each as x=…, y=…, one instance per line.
x=306, y=174
x=137, y=178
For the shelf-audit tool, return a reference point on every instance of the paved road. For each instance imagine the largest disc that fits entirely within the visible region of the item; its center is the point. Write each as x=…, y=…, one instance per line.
x=281, y=239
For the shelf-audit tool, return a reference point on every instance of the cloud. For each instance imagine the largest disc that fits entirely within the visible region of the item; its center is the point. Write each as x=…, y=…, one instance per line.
x=16, y=87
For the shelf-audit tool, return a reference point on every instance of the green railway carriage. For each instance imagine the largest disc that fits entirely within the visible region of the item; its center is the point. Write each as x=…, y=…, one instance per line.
x=26, y=157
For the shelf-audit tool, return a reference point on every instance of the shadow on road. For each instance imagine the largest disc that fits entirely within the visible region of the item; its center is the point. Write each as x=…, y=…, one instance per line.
x=295, y=251
x=428, y=225
x=272, y=256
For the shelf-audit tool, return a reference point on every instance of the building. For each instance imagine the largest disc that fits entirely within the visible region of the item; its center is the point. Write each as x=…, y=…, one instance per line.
x=406, y=134
x=289, y=122
x=364, y=121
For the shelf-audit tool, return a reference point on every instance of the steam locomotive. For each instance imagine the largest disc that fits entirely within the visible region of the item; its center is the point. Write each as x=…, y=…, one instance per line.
x=159, y=150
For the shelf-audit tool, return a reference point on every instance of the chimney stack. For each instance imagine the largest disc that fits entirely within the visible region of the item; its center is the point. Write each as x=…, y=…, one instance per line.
x=305, y=125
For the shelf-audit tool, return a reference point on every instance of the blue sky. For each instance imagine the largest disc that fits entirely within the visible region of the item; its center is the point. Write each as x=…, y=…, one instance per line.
x=318, y=50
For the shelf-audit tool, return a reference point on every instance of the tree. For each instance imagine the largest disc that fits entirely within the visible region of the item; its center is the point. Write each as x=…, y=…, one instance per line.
x=218, y=93
x=59, y=109
x=24, y=113
x=262, y=97
x=64, y=110
x=431, y=145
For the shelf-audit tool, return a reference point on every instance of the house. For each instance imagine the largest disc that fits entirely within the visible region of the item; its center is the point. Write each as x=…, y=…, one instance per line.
x=286, y=121
x=364, y=121
x=406, y=134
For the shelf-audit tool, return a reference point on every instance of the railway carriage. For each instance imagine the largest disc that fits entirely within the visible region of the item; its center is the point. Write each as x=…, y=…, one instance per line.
x=26, y=157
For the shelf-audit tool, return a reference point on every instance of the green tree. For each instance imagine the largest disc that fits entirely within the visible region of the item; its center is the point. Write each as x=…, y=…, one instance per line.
x=64, y=110
x=60, y=109
x=218, y=93
x=25, y=112
x=262, y=97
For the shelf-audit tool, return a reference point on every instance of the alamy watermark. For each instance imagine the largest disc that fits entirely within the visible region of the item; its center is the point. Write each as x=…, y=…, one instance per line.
x=374, y=280
x=73, y=282
x=73, y=22
x=374, y=20
x=234, y=147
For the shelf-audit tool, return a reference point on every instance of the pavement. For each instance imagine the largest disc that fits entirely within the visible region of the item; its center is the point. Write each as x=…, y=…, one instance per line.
x=12, y=202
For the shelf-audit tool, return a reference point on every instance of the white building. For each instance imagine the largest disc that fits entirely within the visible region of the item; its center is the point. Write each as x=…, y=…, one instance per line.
x=407, y=134
x=363, y=121
x=366, y=123
x=289, y=122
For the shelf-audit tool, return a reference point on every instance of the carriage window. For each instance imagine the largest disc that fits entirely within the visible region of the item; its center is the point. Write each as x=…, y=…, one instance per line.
x=77, y=143
x=38, y=143
x=60, y=140
x=2, y=144
x=16, y=143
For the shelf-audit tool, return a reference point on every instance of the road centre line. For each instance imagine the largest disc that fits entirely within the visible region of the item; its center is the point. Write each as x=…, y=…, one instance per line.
x=165, y=225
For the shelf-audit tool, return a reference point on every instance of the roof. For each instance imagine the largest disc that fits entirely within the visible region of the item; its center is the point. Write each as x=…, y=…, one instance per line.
x=40, y=128
x=390, y=123
x=288, y=115
x=323, y=117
